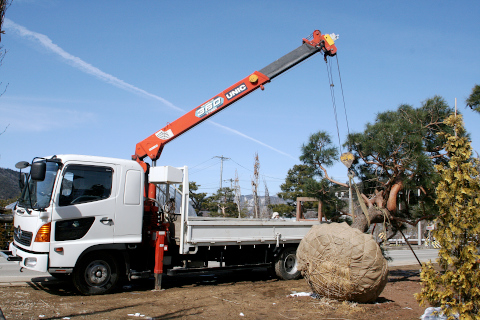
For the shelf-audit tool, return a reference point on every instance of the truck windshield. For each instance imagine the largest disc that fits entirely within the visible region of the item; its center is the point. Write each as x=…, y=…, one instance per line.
x=37, y=194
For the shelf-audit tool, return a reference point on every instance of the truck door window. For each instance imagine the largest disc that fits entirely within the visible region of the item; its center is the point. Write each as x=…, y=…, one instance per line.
x=82, y=184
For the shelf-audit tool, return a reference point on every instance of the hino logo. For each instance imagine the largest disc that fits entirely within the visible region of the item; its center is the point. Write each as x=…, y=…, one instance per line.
x=236, y=91
x=18, y=232
x=209, y=107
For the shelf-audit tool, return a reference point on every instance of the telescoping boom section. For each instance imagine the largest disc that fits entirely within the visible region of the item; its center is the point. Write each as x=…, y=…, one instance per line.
x=153, y=145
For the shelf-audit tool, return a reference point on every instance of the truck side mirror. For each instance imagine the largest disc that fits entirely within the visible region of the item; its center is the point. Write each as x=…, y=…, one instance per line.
x=22, y=165
x=38, y=170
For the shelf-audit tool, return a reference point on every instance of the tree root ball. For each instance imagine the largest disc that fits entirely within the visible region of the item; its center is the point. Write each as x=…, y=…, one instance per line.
x=340, y=262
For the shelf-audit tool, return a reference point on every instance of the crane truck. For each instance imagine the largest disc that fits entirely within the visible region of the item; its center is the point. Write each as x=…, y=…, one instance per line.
x=98, y=220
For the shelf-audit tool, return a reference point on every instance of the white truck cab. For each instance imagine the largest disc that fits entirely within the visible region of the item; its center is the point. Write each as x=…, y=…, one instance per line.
x=82, y=202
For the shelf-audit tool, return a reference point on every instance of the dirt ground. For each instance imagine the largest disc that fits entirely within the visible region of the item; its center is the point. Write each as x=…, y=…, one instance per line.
x=227, y=295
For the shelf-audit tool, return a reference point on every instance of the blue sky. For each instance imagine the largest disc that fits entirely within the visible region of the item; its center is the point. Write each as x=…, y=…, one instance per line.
x=97, y=77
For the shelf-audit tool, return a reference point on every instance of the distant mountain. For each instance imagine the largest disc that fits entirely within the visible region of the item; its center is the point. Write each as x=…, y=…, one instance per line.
x=9, y=188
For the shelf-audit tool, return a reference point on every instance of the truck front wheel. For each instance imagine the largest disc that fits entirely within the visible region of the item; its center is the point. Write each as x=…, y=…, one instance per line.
x=96, y=273
x=286, y=265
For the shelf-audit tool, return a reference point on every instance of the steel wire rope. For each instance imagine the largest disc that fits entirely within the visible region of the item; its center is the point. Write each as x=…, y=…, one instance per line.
x=332, y=93
x=343, y=97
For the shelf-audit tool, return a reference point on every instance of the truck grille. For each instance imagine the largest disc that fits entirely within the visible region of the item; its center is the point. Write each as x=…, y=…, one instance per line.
x=23, y=237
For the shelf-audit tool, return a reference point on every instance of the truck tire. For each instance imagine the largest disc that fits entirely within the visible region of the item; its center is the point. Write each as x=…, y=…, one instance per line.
x=286, y=265
x=96, y=273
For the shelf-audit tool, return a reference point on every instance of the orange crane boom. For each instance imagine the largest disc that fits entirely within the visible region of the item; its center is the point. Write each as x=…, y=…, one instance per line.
x=153, y=145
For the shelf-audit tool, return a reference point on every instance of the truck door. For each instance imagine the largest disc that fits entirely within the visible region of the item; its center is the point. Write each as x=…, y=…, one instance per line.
x=84, y=211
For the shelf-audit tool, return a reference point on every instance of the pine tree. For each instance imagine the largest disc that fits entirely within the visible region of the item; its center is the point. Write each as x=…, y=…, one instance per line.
x=455, y=288
x=473, y=100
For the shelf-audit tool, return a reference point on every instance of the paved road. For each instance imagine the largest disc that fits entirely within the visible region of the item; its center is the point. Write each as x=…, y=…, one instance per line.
x=10, y=271
x=406, y=257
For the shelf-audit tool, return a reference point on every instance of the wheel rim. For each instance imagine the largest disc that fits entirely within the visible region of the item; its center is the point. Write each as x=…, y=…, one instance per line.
x=97, y=273
x=290, y=263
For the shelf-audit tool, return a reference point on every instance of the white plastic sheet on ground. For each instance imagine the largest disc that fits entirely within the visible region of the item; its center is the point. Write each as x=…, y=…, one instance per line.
x=302, y=294
x=434, y=314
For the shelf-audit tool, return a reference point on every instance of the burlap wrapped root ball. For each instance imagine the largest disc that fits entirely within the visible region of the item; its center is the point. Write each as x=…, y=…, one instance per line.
x=340, y=262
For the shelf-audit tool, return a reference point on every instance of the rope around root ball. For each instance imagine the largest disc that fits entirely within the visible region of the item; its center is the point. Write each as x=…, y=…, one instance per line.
x=339, y=262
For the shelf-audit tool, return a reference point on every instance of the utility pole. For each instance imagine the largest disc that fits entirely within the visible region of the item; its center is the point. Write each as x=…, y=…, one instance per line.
x=221, y=167
x=231, y=182
x=238, y=194
x=221, y=173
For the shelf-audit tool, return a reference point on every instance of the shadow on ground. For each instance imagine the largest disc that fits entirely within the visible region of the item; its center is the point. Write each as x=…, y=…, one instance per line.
x=404, y=275
x=65, y=287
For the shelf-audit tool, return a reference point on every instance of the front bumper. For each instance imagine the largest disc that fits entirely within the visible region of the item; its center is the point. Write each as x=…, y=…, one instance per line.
x=9, y=256
x=29, y=260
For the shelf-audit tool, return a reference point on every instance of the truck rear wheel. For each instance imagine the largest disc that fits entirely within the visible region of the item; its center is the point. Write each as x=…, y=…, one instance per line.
x=96, y=274
x=286, y=265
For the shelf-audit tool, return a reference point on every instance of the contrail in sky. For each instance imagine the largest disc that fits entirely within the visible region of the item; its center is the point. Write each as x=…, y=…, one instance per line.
x=78, y=63
x=83, y=66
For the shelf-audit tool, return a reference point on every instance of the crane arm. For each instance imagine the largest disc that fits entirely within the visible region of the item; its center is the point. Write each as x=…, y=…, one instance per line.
x=153, y=145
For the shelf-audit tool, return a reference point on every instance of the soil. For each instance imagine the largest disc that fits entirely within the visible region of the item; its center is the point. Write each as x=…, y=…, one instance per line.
x=222, y=295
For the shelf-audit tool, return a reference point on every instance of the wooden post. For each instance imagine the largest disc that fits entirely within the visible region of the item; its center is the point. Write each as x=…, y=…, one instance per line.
x=320, y=214
x=300, y=216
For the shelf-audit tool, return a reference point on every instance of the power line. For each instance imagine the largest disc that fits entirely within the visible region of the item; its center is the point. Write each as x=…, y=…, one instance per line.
x=204, y=168
x=263, y=175
x=225, y=158
x=201, y=163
